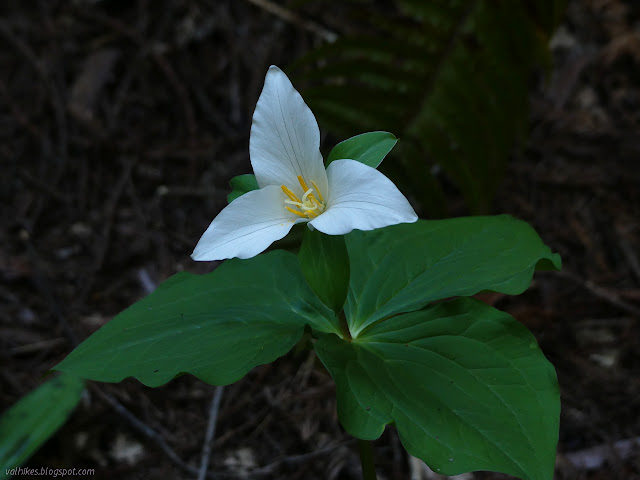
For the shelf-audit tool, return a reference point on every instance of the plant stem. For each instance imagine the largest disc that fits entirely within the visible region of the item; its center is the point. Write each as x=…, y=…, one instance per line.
x=344, y=326
x=365, y=447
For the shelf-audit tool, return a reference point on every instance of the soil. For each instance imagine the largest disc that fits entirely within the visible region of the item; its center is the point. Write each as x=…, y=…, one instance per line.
x=120, y=126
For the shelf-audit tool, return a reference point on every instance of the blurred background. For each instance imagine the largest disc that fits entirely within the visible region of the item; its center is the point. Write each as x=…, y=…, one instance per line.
x=121, y=123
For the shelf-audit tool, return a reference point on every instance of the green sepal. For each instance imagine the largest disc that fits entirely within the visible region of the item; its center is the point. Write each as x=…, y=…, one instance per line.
x=368, y=148
x=242, y=184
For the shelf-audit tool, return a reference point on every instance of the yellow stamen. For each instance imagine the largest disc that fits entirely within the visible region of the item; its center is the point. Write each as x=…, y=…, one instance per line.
x=303, y=183
x=290, y=194
x=317, y=191
x=309, y=207
x=300, y=214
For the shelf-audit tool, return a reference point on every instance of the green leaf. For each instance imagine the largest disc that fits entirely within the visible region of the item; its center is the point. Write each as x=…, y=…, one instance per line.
x=404, y=267
x=369, y=148
x=466, y=385
x=35, y=418
x=241, y=185
x=325, y=266
x=216, y=326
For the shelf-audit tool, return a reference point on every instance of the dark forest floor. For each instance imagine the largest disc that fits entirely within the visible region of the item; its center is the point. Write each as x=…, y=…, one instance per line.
x=120, y=126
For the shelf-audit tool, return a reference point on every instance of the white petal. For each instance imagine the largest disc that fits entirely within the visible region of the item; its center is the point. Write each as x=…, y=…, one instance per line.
x=285, y=139
x=360, y=197
x=247, y=226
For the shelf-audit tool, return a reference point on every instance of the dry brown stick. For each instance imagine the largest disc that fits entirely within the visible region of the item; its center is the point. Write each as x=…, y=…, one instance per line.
x=213, y=114
x=103, y=243
x=211, y=432
x=243, y=428
x=180, y=90
x=148, y=285
x=155, y=437
x=47, y=79
x=145, y=430
x=37, y=346
x=57, y=102
x=156, y=53
x=296, y=459
x=602, y=293
x=43, y=285
x=42, y=185
x=21, y=118
x=594, y=457
x=629, y=252
x=294, y=18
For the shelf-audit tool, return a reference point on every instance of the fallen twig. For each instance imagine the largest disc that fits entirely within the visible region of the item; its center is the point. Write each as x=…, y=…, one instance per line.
x=602, y=293
x=145, y=280
x=296, y=459
x=55, y=96
x=38, y=346
x=145, y=430
x=156, y=53
x=211, y=431
x=629, y=252
x=594, y=457
x=296, y=19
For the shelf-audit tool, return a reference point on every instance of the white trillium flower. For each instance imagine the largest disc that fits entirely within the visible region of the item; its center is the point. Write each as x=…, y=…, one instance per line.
x=284, y=147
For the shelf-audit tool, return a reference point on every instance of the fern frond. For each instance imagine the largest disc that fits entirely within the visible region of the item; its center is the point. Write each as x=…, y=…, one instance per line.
x=449, y=77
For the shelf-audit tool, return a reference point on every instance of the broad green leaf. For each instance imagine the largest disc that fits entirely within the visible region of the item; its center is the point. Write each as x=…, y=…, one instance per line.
x=466, y=385
x=325, y=266
x=35, y=418
x=241, y=185
x=216, y=326
x=369, y=148
x=404, y=267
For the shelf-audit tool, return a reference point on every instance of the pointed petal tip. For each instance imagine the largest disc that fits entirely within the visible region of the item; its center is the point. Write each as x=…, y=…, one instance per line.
x=361, y=198
x=410, y=215
x=274, y=70
x=199, y=256
x=284, y=142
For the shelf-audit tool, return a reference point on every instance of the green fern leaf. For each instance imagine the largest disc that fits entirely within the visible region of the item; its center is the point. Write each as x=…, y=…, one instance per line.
x=449, y=77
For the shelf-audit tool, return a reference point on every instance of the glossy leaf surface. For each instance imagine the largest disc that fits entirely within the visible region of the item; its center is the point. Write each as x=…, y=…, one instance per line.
x=466, y=385
x=404, y=267
x=216, y=326
x=325, y=265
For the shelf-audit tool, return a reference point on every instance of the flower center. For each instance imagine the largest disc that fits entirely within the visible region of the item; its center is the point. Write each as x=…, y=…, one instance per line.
x=307, y=207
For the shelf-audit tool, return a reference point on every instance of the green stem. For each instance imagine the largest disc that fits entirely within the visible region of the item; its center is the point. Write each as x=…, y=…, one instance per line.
x=365, y=448
x=344, y=326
